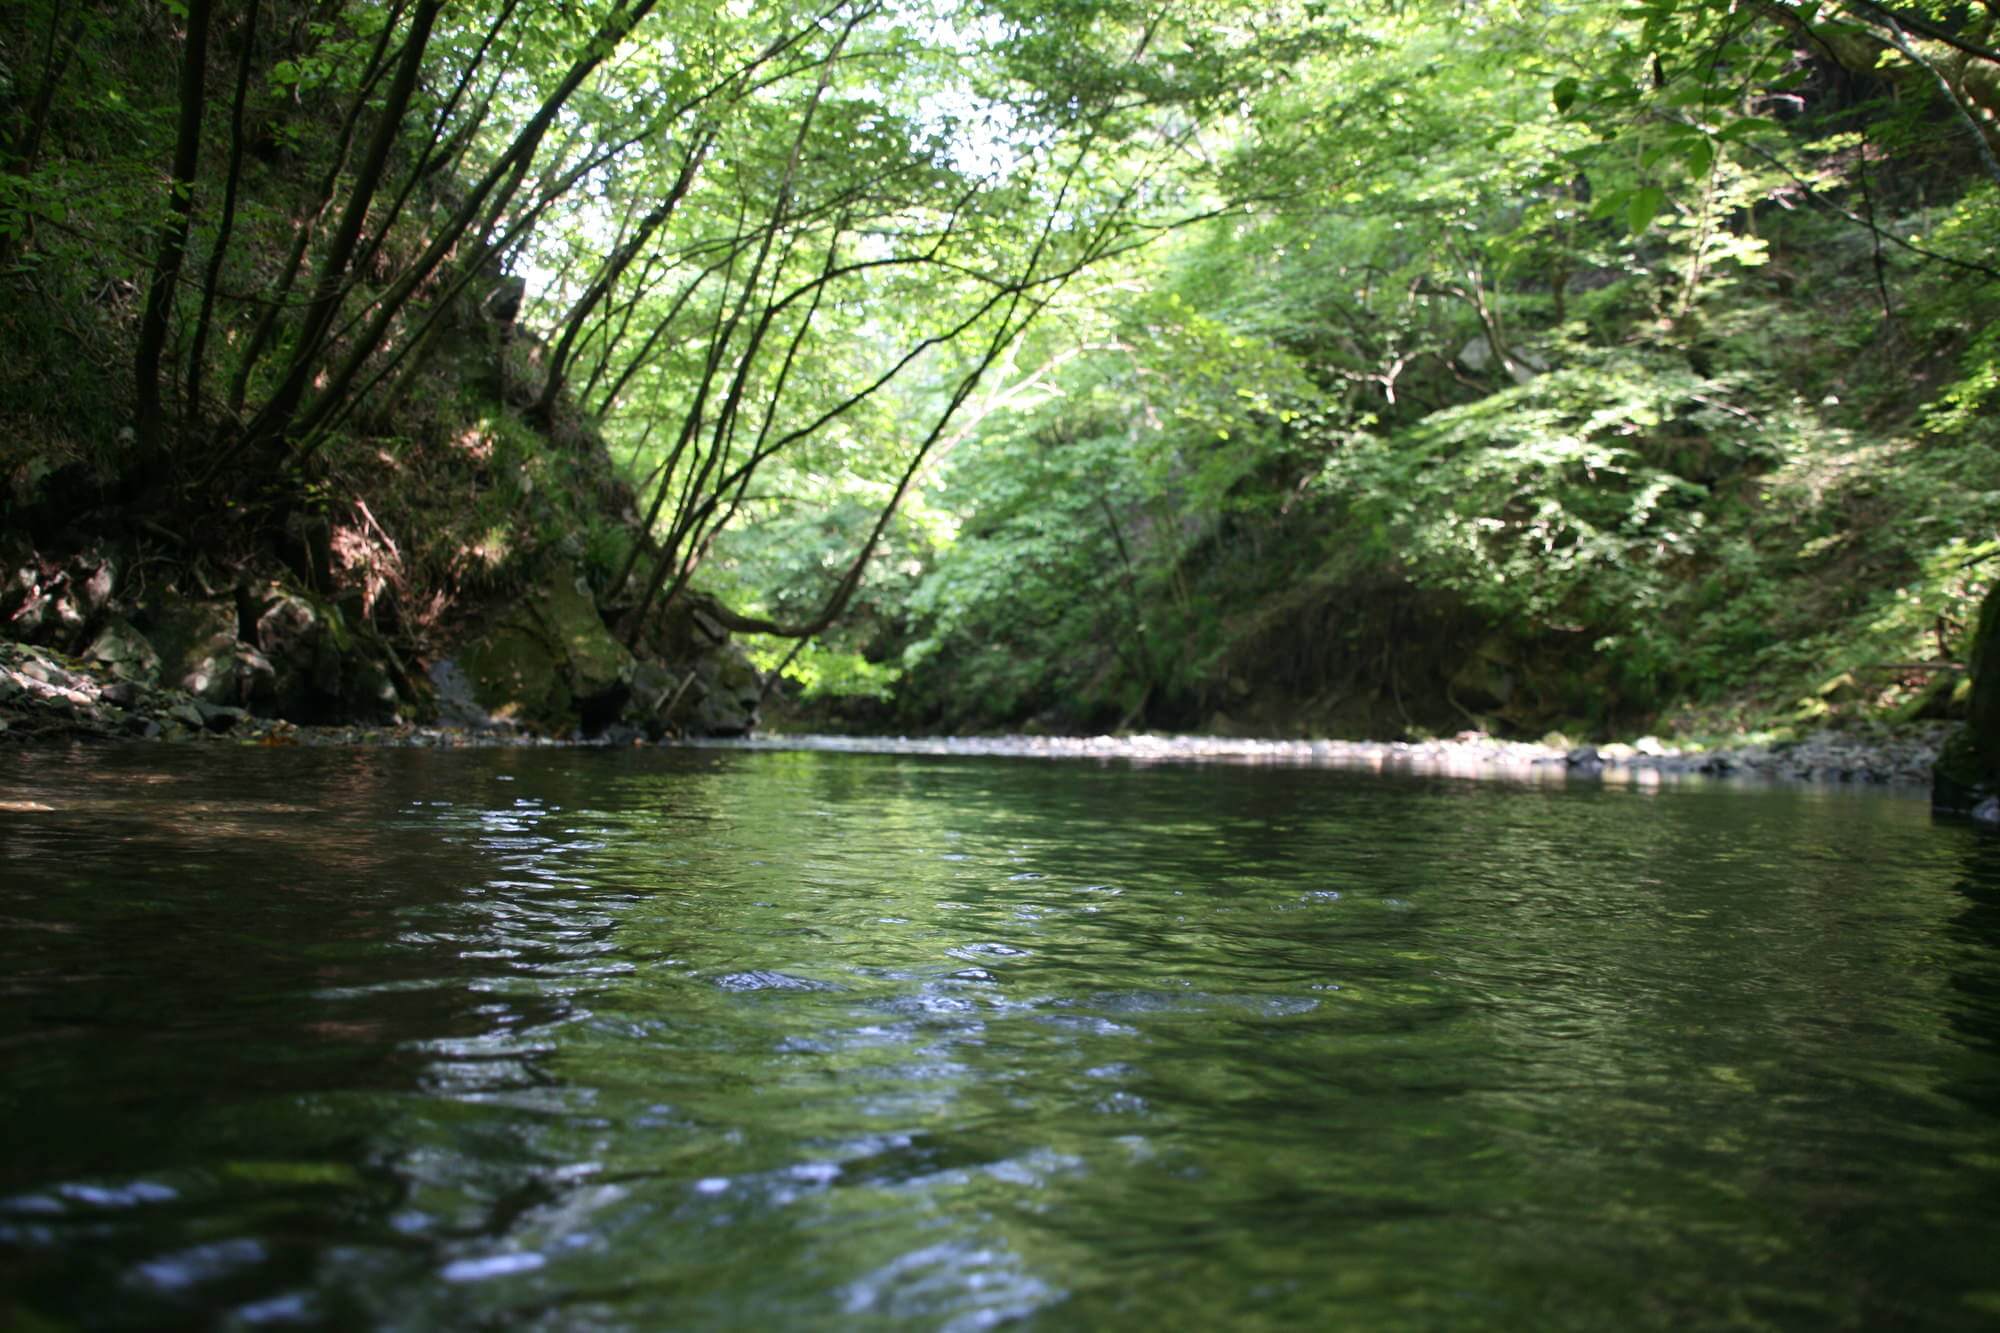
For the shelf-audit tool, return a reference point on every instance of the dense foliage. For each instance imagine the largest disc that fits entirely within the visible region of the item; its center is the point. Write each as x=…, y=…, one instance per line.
x=1551, y=371
x=1346, y=368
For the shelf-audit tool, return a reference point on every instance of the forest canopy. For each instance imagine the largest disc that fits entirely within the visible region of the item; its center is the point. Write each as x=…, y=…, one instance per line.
x=1324, y=367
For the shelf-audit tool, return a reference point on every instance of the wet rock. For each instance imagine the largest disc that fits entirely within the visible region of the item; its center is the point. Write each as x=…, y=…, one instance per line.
x=1584, y=757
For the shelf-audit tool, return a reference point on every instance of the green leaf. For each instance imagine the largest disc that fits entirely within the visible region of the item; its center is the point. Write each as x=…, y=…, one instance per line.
x=1747, y=126
x=1564, y=94
x=1643, y=206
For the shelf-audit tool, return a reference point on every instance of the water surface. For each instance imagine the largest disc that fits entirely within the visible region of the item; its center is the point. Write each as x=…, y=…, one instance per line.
x=792, y=1040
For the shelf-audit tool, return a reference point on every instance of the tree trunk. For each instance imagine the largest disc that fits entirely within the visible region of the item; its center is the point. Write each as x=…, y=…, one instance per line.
x=173, y=236
x=324, y=303
x=198, y=348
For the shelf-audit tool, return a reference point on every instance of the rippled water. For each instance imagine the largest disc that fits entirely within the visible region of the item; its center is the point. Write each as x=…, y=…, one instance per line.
x=774, y=1040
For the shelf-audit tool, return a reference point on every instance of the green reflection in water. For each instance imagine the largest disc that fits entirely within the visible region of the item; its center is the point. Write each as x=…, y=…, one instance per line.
x=723, y=1039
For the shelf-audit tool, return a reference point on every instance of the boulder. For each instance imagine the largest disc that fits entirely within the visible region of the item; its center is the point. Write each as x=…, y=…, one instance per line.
x=730, y=690
x=321, y=672
x=1967, y=776
x=548, y=662
x=516, y=676
x=656, y=690
x=125, y=653
x=200, y=653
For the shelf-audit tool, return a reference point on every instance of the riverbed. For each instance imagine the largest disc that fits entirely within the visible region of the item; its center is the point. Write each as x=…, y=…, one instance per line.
x=756, y=1037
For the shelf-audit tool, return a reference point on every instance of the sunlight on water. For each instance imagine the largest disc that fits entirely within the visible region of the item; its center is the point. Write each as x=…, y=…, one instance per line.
x=562, y=1039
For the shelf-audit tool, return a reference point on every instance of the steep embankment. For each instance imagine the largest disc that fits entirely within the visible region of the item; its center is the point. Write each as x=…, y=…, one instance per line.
x=445, y=571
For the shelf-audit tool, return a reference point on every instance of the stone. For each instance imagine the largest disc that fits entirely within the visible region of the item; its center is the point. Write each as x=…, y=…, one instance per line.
x=22, y=586
x=598, y=663
x=516, y=676
x=197, y=647
x=302, y=647
x=320, y=671
x=456, y=705
x=70, y=618
x=28, y=619
x=219, y=717
x=549, y=662
x=94, y=589
x=656, y=691
x=125, y=653
x=731, y=691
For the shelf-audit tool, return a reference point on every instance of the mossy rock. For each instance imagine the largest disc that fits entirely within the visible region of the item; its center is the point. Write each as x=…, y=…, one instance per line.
x=125, y=653
x=548, y=663
x=199, y=652
x=596, y=664
x=517, y=676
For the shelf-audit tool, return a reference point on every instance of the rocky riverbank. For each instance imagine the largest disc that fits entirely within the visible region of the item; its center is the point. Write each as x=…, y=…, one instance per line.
x=260, y=658
x=1899, y=757
x=47, y=695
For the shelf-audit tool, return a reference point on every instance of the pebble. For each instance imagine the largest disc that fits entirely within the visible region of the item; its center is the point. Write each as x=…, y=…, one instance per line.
x=1902, y=757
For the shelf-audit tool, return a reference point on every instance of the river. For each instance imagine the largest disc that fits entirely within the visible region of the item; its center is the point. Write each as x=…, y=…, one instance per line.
x=731, y=1039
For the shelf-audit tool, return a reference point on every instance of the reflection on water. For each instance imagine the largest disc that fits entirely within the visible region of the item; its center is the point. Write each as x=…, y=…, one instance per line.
x=722, y=1039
